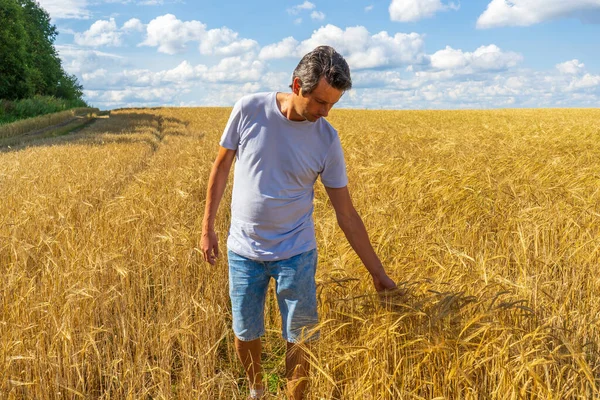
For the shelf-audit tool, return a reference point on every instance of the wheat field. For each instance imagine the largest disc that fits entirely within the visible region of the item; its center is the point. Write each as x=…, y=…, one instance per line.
x=488, y=220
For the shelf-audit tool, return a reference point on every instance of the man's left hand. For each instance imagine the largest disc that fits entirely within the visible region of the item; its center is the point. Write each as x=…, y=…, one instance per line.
x=384, y=283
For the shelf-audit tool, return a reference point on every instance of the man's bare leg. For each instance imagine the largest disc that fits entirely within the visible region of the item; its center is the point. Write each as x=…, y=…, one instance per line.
x=296, y=371
x=249, y=355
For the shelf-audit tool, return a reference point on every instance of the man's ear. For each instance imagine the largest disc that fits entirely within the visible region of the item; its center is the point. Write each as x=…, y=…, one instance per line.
x=296, y=85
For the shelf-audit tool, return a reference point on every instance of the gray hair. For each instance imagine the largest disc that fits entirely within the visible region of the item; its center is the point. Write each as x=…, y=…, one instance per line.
x=323, y=62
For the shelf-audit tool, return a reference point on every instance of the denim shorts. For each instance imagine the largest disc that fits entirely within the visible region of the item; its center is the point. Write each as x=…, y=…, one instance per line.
x=296, y=295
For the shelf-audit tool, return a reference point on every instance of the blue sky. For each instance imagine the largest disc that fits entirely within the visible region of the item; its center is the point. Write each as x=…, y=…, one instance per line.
x=403, y=54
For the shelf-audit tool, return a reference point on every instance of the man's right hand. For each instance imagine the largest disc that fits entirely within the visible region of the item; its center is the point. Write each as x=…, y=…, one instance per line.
x=210, y=247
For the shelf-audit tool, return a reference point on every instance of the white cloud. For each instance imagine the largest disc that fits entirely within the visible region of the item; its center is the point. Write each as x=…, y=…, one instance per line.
x=420, y=92
x=226, y=94
x=224, y=42
x=133, y=96
x=317, y=15
x=449, y=58
x=133, y=24
x=368, y=8
x=182, y=73
x=237, y=47
x=295, y=10
x=588, y=81
x=95, y=75
x=66, y=31
x=489, y=89
x=360, y=48
x=529, y=12
x=573, y=67
x=414, y=10
x=78, y=9
x=485, y=58
x=211, y=39
x=389, y=70
x=220, y=84
x=485, y=78
x=77, y=61
x=422, y=87
x=239, y=69
x=380, y=79
x=106, y=33
x=363, y=50
x=285, y=48
x=235, y=69
x=492, y=58
x=170, y=35
x=306, y=6
x=64, y=9
x=101, y=33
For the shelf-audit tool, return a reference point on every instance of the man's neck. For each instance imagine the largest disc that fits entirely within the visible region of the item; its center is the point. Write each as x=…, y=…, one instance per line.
x=285, y=103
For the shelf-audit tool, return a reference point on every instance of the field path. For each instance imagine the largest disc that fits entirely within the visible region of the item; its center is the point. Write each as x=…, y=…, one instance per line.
x=71, y=125
x=77, y=118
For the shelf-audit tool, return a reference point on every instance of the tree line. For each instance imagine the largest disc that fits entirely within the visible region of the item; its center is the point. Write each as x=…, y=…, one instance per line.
x=29, y=63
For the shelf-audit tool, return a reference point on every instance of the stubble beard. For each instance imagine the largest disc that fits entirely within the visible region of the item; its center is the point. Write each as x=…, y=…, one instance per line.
x=309, y=117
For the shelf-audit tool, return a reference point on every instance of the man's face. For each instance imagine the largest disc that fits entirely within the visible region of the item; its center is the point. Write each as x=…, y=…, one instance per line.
x=316, y=104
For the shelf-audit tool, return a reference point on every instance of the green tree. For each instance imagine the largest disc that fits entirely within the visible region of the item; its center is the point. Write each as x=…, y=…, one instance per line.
x=46, y=69
x=69, y=88
x=29, y=63
x=15, y=73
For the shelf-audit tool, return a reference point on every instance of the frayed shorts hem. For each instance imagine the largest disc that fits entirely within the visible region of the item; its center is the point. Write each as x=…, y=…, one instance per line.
x=244, y=339
x=310, y=339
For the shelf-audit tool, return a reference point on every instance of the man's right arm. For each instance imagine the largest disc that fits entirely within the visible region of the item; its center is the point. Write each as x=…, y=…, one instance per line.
x=216, y=186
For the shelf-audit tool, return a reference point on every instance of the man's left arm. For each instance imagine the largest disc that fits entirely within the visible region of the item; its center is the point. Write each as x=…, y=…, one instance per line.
x=356, y=233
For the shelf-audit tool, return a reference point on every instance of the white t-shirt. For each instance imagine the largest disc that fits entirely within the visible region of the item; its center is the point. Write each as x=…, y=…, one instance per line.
x=277, y=164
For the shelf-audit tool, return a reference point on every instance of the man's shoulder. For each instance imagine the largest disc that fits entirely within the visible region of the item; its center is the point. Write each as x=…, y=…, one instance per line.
x=327, y=129
x=255, y=100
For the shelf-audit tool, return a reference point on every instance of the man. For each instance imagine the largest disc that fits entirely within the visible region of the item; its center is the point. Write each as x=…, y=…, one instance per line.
x=282, y=144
